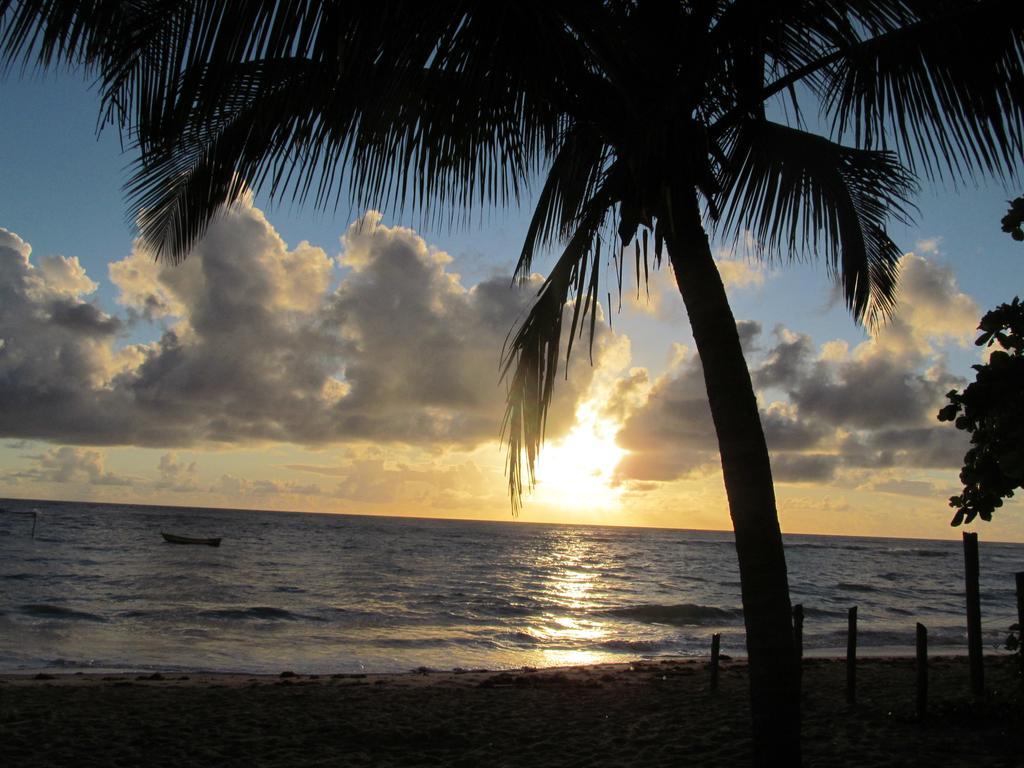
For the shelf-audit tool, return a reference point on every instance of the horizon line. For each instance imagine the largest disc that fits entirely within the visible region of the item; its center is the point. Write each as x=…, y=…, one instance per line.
x=512, y=520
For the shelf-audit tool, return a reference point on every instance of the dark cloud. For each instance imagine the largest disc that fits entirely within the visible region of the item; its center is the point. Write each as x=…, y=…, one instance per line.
x=257, y=348
x=786, y=432
x=671, y=435
x=923, y=447
x=86, y=319
x=53, y=364
x=789, y=361
x=749, y=331
x=804, y=468
x=874, y=393
x=870, y=409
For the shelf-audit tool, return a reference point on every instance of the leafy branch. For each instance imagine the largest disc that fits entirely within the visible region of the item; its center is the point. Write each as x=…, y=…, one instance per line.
x=1014, y=219
x=991, y=409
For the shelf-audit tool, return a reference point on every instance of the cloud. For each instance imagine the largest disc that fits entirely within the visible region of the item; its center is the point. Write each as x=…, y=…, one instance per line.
x=907, y=488
x=928, y=245
x=70, y=465
x=175, y=474
x=422, y=351
x=255, y=346
x=393, y=477
x=53, y=343
x=931, y=310
x=832, y=409
x=741, y=273
x=659, y=296
x=671, y=435
x=786, y=430
x=377, y=481
x=60, y=276
x=896, y=377
x=921, y=447
x=804, y=468
x=236, y=487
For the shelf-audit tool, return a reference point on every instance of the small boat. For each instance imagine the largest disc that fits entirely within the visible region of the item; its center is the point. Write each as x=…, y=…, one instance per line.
x=170, y=538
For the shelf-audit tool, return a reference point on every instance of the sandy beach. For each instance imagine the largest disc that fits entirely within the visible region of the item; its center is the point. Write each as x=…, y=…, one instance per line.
x=648, y=713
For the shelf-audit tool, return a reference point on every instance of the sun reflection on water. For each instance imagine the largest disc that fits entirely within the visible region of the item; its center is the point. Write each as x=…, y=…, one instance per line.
x=570, y=628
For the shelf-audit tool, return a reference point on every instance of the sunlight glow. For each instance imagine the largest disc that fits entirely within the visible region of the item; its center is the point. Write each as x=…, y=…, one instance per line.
x=577, y=471
x=571, y=630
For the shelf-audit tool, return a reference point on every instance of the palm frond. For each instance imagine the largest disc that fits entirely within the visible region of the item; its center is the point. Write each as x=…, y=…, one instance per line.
x=45, y=33
x=429, y=140
x=576, y=170
x=797, y=42
x=435, y=112
x=801, y=193
x=531, y=356
x=945, y=90
x=938, y=82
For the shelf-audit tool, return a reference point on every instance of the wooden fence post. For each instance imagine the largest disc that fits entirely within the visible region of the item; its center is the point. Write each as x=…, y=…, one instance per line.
x=971, y=574
x=1020, y=618
x=798, y=641
x=922, y=671
x=851, y=657
x=716, y=640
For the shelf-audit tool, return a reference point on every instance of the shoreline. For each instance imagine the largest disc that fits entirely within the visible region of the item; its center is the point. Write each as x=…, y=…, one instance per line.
x=864, y=653
x=658, y=712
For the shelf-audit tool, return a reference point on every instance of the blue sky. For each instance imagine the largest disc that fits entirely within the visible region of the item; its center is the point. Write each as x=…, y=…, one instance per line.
x=62, y=195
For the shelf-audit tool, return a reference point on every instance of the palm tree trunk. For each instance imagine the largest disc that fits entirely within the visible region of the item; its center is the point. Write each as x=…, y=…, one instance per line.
x=774, y=692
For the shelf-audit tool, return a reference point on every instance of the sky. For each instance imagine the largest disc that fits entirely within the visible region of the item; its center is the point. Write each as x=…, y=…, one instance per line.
x=348, y=361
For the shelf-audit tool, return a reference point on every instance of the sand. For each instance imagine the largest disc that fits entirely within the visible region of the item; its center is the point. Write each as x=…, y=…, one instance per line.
x=649, y=713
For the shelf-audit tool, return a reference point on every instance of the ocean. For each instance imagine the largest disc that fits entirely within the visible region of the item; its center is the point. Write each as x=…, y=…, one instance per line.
x=98, y=589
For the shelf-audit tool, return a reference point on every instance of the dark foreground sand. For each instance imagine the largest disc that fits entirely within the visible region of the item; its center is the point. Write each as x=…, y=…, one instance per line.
x=645, y=714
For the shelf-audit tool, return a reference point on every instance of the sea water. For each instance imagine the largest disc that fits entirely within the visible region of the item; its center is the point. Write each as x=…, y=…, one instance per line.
x=97, y=588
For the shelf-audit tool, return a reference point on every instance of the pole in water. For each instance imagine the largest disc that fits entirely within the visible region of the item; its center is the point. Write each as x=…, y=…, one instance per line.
x=35, y=519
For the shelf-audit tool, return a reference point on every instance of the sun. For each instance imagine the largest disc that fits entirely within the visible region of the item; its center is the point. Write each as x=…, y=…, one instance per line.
x=577, y=471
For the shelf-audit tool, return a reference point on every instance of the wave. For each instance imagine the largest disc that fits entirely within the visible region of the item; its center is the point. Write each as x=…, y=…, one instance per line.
x=913, y=551
x=828, y=545
x=853, y=586
x=822, y=613
x=507, y=609
x=260, y=613
x=519, y=638
x=683, y=614
x=137, y=613
x=435, y=642
x=47, y=611
x=635, y=646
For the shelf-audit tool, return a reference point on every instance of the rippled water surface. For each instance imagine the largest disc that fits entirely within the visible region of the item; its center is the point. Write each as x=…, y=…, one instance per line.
x=98, y=588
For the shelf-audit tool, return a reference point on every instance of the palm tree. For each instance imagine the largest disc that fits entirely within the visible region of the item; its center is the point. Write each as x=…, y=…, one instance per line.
x=651, y=124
